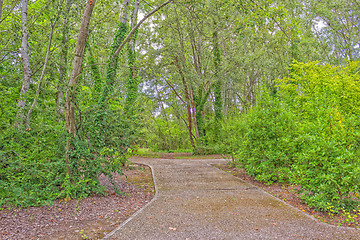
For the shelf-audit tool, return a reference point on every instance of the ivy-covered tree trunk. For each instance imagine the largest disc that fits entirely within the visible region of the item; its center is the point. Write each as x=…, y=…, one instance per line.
x=96, y=75
x=188, y=104
x=25, y=57
x=112, y=65
x=74, y=78
x=194, y=111
x=132, y=81
x=1, y=4
x=218, y=83
x=200, y=101
x=63, y=60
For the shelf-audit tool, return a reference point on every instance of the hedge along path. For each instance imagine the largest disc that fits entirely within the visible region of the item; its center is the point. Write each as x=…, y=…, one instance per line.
x=195, y=200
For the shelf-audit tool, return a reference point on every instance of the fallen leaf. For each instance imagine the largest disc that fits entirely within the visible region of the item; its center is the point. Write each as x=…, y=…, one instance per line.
x=256, y=228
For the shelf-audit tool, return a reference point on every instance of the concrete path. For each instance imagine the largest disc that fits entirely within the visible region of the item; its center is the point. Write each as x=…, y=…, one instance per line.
x=195, y=200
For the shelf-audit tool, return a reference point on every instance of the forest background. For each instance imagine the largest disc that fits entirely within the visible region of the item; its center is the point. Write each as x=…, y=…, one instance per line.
x=273, y=84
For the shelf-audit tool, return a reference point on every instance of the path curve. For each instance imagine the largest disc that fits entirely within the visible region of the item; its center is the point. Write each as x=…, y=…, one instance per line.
x=195, y=200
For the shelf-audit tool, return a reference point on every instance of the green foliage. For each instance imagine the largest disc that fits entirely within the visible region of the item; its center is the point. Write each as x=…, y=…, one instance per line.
x=266, y=147
x=165, y=135
x=32, y=162
x=306, y=134
x=31, y=167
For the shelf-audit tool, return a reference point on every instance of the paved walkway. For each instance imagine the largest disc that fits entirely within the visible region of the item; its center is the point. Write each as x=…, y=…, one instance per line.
x=195, y=200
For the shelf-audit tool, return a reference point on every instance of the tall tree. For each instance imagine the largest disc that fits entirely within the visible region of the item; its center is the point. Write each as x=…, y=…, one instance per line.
x=28, y=117
x=112, y=65
x=63, y=58
x=74, y=78
x=1, y=6
x=218, y=83
x=25, y=57
x=132, y=81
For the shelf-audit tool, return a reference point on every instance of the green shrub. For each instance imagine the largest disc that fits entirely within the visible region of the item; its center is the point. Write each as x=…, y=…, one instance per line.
x=307, y=134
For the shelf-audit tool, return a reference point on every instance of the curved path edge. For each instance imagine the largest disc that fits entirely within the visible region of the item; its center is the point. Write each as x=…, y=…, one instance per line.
x=110, y=234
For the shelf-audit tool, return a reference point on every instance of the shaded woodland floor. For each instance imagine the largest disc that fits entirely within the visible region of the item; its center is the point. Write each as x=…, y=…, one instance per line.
x=89, y=218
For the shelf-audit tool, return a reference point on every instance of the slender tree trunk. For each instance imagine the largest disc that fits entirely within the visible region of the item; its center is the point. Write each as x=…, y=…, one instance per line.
x=63, y=60
x=1, y=7
x=74, y=78
x=26, y=65
x=194, y=115
x=217, y=88
x=227, y=87
x=114, y=56
x=28, y=118
x=96, y=75
x=190, y=98
x=188, y=102
x=132, y=83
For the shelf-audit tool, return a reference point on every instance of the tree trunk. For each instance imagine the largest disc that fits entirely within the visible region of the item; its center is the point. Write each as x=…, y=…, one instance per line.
x=28, y=118
x=190, y=96
x=1, y=6
x=132, y=83
x=217, y=88
x=95, y=74
x=194, y=115
x=188, y=102
x=63, y=60
x=26, y=65
x=77, y=66
x=114, y=56
x=74, y=78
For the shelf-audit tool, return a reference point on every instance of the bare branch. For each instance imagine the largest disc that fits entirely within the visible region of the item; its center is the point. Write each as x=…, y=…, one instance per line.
x=117, y=52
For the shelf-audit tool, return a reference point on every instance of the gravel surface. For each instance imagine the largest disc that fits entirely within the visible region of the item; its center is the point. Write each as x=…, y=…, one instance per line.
x=287, y=193
x=198, y=201
x=88, y=218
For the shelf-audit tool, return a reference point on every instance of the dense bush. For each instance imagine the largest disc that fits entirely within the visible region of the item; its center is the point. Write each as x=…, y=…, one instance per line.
x=33, y=169
x=307, y=133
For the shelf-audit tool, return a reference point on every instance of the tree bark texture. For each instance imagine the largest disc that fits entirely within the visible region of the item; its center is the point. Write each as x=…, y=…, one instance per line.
x=113, y=58
x=77, y=66
x=132, y=83
x=218, y=83
x=63, y=60
x=188, y=107
x=25, y=57
x=74, y=79
x=1, y=7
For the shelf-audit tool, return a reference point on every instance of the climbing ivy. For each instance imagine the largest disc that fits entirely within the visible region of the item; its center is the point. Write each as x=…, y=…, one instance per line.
x=112, y=64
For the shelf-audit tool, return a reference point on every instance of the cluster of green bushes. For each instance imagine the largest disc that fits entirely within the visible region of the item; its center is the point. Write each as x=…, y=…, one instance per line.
x=33, y=166
x=306, y=131
x=165, y=133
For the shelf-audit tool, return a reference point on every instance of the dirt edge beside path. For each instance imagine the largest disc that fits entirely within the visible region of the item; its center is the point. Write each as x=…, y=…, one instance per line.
x=89, y=218
x=287, y=193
